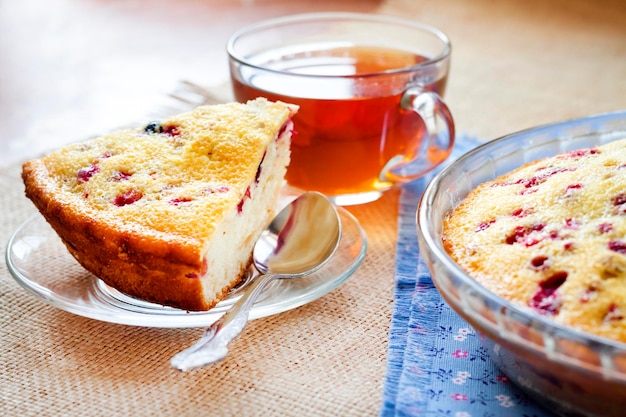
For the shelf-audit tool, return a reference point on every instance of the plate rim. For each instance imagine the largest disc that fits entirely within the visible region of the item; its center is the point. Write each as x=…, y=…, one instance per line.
x=122, y=316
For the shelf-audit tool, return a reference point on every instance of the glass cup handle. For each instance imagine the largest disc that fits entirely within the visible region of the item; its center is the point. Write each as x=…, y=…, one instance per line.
x=437, y=143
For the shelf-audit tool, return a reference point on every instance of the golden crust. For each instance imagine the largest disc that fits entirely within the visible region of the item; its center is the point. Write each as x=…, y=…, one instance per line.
x=146, y=206
x=551, y=236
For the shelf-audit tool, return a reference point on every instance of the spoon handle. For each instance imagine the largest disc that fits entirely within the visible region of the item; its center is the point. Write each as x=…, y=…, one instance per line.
x=213, y=346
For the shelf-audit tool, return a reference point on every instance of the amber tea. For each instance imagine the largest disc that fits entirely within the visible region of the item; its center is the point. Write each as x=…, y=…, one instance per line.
x=354, y=122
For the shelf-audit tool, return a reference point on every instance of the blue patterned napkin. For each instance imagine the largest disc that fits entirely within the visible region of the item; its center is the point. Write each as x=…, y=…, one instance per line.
x=436, y=364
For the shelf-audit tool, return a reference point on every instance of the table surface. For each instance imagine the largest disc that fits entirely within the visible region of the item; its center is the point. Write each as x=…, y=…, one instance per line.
x=74, y=68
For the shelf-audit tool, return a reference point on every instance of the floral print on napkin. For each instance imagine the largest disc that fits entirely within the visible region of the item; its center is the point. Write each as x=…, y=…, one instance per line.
x=437, y=365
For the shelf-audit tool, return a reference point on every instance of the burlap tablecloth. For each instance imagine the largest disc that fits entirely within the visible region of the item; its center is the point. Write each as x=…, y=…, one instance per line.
x=324, y=358
x=515, y=64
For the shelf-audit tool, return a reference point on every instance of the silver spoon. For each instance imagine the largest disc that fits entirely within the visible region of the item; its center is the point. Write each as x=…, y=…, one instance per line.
x=298, y=242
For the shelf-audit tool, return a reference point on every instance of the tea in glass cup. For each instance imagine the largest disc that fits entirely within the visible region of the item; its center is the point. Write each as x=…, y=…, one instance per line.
x=369, y=89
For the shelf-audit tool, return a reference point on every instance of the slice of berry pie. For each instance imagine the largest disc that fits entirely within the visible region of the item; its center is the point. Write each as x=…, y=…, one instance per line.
x=169, y=212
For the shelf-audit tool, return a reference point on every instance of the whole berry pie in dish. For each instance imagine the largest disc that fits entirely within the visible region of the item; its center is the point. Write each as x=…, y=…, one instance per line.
x=551, y=236
x=169, y=212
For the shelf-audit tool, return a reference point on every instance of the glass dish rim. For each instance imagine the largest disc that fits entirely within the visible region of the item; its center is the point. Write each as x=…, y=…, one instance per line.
x=431, y=239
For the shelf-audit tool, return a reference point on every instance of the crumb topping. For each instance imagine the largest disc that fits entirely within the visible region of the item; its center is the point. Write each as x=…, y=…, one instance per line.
x=551, y=236
x=197, y=162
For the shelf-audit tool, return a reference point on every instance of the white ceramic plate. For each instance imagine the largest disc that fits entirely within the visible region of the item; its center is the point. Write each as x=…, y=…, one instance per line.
x=41, y=264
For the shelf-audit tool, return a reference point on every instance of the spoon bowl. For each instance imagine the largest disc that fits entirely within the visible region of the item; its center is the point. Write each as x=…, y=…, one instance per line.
x=299, y=241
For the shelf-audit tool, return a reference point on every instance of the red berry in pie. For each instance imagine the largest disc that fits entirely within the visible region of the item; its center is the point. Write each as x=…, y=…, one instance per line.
x=546, y=300
x=128, y=197
x=85, y=174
